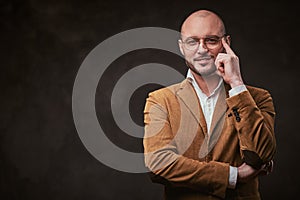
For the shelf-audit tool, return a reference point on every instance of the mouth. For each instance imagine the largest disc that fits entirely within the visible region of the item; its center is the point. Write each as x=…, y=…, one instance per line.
x=203, y=61
x=206, y=58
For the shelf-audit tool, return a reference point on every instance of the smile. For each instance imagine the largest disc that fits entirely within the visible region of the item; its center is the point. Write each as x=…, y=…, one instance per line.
x=202, y=58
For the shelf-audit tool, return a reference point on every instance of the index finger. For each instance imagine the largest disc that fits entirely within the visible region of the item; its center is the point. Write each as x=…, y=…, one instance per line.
x=227, y=47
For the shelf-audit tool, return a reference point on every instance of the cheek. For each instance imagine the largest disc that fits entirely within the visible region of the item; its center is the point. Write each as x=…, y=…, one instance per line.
x=189, y=54
x=215, y=53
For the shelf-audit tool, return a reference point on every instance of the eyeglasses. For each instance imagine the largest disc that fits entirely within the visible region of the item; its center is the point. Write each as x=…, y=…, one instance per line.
x=210, y=42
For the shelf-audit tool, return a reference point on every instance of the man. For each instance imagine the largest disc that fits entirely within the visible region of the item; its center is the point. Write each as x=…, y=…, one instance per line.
x=210, y=136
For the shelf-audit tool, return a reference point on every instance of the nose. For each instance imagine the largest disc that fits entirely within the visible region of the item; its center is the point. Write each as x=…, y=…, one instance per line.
x=202, y=47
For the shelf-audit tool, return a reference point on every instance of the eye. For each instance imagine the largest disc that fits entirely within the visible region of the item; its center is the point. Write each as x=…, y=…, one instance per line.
x=191, y=42
x=211, y=40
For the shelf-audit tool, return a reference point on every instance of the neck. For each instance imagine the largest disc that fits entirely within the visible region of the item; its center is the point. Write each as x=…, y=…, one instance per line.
x=207, y=83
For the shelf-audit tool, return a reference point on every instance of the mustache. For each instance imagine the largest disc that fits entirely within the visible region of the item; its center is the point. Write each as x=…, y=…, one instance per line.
x=203, y=57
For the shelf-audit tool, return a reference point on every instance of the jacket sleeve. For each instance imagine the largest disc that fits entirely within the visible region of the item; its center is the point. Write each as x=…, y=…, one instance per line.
x=254, y=117
x=170, y=168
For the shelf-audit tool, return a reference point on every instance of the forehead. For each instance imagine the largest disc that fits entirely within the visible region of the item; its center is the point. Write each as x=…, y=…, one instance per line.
x=198, y=26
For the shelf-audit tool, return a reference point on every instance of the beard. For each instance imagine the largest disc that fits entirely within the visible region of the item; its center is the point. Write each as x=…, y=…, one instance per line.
x=202, y=70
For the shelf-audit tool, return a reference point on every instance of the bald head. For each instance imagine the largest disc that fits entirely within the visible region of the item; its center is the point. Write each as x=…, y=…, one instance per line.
x=202, y=21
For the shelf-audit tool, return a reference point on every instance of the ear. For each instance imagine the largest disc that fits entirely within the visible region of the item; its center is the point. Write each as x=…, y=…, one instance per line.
x=180, y=44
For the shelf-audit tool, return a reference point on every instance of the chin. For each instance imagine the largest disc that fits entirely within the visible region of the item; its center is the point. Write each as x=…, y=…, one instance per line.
x=205, y=71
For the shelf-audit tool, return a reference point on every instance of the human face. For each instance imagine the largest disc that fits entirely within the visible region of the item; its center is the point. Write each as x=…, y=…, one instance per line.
x=202, y=29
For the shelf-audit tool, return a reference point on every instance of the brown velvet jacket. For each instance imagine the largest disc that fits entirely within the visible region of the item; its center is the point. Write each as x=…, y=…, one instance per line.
x=193, y=163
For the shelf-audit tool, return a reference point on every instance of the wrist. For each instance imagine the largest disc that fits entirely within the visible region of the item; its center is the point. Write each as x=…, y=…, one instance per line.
x=236, y=83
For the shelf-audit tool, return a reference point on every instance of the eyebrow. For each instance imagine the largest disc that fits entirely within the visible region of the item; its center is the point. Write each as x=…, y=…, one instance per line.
x=195, y=37
x=206, y=36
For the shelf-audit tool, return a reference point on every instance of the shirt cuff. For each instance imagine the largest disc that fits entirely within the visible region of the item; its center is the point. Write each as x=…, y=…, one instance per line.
x=236, y=90
x=233, y=171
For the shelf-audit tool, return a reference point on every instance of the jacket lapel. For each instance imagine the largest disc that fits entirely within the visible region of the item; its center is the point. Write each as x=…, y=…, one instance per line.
x=220, y=109
x=188, y=96
x=219, y=116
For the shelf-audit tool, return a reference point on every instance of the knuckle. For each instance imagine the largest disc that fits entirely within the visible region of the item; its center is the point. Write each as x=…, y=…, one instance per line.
x=234, y=58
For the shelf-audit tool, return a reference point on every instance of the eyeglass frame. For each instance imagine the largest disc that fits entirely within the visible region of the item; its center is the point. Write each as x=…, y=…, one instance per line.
x=198, y=41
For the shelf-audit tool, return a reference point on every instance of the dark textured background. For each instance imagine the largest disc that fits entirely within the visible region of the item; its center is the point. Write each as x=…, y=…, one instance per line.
x=43, y=44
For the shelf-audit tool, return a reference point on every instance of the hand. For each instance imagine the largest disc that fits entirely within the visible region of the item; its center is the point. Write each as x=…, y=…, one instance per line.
x=228, y=66
x=246, y=172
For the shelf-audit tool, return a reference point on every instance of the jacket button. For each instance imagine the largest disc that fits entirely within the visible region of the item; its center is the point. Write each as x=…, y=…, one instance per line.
x=236, y=114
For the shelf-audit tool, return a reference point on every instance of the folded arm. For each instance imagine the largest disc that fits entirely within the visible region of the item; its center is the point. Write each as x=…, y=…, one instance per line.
x=254, y=121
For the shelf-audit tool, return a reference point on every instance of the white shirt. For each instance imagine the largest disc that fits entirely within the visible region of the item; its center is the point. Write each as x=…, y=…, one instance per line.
x=208, y=104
